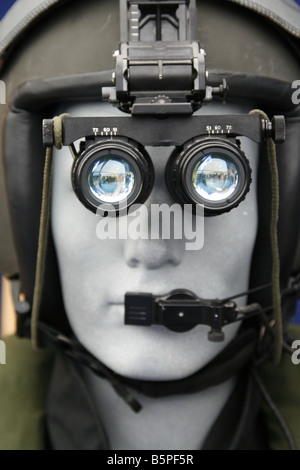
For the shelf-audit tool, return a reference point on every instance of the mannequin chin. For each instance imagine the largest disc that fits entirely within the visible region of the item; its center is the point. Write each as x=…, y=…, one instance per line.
x=95, y=274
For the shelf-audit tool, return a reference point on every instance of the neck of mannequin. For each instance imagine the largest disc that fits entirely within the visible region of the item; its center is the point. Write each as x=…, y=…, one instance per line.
x=176, y=414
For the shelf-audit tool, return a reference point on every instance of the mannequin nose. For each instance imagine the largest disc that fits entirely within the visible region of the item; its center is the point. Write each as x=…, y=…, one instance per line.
x=153, y=249
x=152, y=254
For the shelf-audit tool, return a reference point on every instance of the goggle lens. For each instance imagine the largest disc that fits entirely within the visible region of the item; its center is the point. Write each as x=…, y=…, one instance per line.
x=111, y=179
x=215, y=177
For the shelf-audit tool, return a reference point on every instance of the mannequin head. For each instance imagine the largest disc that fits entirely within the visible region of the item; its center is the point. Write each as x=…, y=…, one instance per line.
x=95, y=274
x=230, y=20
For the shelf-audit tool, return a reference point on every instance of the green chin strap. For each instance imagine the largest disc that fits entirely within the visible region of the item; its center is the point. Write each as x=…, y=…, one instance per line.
x=276, y=296
x=44, y=229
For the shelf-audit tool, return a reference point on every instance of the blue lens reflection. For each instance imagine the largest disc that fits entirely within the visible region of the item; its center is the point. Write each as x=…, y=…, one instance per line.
x=215, y=177
x=111, y=179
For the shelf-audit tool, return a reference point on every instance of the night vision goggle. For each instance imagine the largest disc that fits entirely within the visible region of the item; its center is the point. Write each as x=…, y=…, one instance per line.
x=160, y=81
x=207, y=166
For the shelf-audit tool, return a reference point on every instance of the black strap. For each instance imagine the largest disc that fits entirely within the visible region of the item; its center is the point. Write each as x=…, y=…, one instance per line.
x=228, y=363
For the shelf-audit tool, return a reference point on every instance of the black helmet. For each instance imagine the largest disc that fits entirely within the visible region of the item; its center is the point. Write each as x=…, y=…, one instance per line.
x=62, y=50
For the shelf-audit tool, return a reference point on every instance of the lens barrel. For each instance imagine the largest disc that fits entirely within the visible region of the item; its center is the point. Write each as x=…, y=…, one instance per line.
x=213, y=172
x=112, y=174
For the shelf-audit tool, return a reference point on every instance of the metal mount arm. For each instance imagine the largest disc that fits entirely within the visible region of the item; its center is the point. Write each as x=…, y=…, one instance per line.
x=160, y=65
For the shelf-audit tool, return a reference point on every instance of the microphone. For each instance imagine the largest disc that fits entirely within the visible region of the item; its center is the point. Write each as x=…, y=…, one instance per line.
x=180, y=310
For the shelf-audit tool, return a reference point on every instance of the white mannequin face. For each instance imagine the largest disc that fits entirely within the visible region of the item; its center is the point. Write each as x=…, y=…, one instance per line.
x=95, y=274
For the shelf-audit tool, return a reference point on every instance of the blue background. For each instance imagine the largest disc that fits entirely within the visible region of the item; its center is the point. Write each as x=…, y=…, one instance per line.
x=4, y=6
